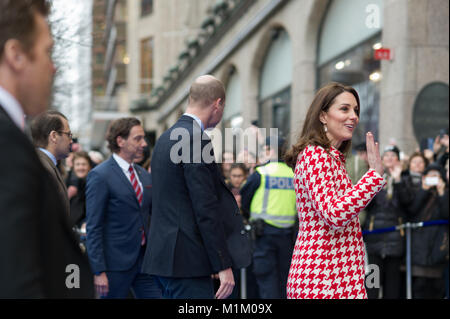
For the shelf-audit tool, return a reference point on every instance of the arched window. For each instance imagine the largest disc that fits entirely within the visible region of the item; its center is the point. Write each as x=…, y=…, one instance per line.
x=232, y=114
x=275, y=84
x=430, y=114
x=350, y=32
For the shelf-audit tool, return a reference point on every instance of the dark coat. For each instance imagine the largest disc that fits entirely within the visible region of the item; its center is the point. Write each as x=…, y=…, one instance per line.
x=382, y=212
x=61, y=189
x=78, y=203
x=196, y=228
x=36, y=242
x=427, y=241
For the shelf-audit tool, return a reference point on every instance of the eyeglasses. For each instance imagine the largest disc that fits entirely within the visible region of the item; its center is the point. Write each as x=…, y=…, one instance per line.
x=69, y=134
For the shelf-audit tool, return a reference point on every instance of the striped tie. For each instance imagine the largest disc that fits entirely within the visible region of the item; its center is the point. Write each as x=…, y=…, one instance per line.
x=136, y=186
x=138, y=191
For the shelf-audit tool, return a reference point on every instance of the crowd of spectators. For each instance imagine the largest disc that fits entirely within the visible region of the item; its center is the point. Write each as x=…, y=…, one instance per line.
x=416, y=191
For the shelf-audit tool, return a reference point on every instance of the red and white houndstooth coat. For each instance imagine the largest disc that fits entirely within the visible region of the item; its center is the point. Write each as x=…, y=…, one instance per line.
x=328, y=258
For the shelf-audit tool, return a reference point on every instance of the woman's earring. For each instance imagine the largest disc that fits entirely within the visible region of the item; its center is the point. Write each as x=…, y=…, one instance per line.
x=325, y=128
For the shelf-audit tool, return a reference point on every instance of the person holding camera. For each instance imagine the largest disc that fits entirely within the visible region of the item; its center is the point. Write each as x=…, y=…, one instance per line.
x=429, y=245
x=440, y=147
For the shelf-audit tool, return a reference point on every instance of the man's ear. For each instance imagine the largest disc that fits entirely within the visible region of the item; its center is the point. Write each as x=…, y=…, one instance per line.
x=14, y=54
x=52, y=138
x=120, y=140
x=218, y=103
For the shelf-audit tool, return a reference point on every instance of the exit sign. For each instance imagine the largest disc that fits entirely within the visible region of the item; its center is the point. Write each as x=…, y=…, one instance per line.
x=383, y=54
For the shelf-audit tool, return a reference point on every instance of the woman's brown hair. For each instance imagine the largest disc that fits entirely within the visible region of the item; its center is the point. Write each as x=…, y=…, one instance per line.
x=82, y=154
x=313, y=132
x=418, y=154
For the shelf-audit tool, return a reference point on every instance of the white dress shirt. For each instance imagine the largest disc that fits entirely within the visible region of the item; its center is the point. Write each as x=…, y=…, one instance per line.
x=196, y=119
x=124, y=165
x=12, y=108
x=50, y=155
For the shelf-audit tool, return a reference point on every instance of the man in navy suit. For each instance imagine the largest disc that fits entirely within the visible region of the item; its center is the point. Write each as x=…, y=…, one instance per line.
x=118, y=207
x=196, y=229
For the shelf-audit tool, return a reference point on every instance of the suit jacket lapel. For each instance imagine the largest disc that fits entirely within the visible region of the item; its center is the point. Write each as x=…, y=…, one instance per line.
x=119, y=172
x=59, y=180
x=28, y=137
x=55, y=169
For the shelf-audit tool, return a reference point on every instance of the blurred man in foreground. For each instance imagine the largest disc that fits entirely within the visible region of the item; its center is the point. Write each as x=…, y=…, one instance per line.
x=39, y=256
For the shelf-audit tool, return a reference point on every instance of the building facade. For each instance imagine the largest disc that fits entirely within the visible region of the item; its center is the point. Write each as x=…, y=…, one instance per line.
x=273, y=55
x=109, y=60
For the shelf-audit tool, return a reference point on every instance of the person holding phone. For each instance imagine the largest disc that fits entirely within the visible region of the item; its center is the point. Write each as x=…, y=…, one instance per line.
x=430, y=244
x=440, y=147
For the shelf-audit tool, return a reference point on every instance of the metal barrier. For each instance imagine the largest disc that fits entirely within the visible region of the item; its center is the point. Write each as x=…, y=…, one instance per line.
x=407, y=227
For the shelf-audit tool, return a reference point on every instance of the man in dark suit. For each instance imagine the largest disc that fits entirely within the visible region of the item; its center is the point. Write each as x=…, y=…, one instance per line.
x=196, y=228
x=51, y=135
x=118, y=207
x=40, y=257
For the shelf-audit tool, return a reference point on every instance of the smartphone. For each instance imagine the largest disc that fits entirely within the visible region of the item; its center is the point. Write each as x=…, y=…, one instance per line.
x=430, y=143
x=426, y=143
x=431, y=181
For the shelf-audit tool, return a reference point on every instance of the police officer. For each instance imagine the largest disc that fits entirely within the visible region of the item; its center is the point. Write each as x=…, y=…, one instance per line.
x=269, y=198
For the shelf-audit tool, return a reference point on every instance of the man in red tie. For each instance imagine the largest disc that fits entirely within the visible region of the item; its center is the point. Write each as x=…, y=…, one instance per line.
x=118, y=207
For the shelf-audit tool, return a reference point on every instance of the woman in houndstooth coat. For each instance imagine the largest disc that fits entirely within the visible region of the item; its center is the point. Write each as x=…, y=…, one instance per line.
x=328, y=258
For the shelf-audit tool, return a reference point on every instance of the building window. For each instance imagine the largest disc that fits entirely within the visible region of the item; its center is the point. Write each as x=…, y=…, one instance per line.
x=346, y=55
x=430, y=114
x=275, y=112
x=99, y=90
x=359, y=69
x=232, y=115
x=146, y=65
x=275, y=85
x=99, y=58
x=146, y=7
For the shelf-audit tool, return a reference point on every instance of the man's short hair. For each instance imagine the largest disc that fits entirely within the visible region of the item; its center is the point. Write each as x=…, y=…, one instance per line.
x=17, y=21
x=43, y=124
x=279, y=141
x=120, y=127
x=207, y=92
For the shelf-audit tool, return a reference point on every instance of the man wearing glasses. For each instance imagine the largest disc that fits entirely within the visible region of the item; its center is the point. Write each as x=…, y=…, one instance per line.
x=51, y=135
